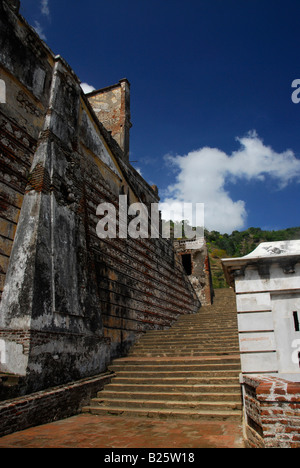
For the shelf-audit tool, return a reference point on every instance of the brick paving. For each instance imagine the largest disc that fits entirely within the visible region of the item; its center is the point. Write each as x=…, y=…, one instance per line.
x=91, y=431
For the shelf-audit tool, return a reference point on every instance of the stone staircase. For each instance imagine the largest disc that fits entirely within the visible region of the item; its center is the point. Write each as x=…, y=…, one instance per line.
x=188, y=371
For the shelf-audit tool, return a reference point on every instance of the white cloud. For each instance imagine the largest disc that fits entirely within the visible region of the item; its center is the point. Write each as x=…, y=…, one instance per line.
x=39, y=29
x=202, y=175
x=45, y=8
x=87, y=88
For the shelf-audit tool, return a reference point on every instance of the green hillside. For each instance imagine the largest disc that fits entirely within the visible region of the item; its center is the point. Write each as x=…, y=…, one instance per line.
x=239, y=244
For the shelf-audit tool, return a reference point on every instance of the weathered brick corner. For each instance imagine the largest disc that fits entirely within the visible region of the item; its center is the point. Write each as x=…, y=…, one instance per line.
x=272, y=412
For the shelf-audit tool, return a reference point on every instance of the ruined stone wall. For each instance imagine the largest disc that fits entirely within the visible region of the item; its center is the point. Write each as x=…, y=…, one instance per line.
x=112, y=107
x=199, y=269
x=70, y=301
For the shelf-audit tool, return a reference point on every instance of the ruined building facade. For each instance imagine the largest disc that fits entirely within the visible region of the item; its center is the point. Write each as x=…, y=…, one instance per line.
x=195, y=260
x=70, y=301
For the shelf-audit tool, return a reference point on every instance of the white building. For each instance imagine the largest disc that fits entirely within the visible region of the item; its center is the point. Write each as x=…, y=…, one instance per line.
x=267, y=286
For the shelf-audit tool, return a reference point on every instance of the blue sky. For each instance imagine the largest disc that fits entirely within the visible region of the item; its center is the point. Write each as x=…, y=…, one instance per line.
x=211, y=86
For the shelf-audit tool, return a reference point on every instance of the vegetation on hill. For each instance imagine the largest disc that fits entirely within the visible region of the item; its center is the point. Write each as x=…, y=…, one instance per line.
x=239, y=244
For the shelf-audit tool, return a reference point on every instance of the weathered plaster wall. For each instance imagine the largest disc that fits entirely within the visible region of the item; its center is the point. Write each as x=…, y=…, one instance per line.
x=268, y=302
x=70, y=301
x=266, y=323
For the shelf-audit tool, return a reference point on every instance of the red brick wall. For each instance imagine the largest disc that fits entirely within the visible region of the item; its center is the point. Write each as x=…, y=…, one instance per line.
x=272, y=412
x=50, y=405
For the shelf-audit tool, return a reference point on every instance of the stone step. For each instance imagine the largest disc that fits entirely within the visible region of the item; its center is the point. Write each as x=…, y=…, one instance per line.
x=175, y=367
x=190, y=334
x=193, y=325
x=201, y=327
x=189, y=340
x=217, y=320
x=166, y=354
x=169, y=388
x=230, y=332
x=214, y=313
x=187, y=344
x=178, y=380
x=218, y=347
x=185, y=341
x=177, y=347
x=201, y=330
x=169, y=396
x=184, y=375
x=209, y=360
x=180, y=345
x=226, y=324
x=166, y=413
x=165, y=404
x=206, y=362
x=217, y=316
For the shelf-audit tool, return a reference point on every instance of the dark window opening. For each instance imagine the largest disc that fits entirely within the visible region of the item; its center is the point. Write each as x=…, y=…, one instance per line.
x=299, y=358
x=187, y=263
x=254, y=425
x=296, y=321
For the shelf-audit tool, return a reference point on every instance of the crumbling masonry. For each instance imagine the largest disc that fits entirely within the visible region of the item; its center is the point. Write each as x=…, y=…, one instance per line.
x=70, y=301
x=195, y=259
